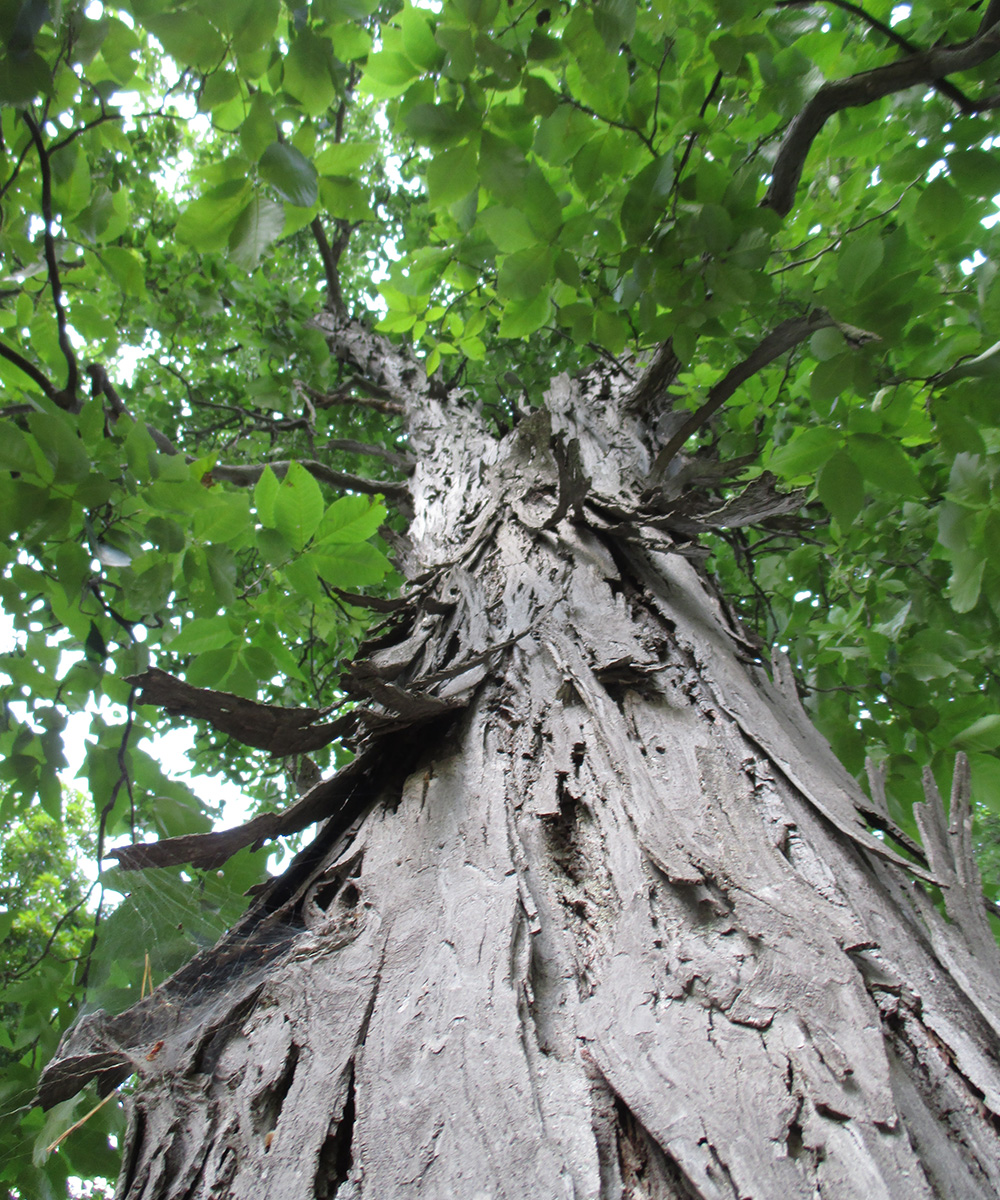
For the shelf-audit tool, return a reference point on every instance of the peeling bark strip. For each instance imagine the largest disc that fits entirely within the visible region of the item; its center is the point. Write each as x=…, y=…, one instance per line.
x=281, y=731
x=593, y=914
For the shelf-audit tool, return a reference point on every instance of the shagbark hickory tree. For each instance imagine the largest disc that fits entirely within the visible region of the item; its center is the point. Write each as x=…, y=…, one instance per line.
x=678, y=388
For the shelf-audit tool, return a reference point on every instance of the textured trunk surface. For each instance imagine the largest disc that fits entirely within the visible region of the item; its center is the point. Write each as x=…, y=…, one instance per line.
x=607, y=922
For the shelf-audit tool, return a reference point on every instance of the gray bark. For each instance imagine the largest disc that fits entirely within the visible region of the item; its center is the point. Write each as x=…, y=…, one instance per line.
x=604, y=920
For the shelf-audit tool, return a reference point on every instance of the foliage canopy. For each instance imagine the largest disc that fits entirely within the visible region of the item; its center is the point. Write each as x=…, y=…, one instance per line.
x=517, y=189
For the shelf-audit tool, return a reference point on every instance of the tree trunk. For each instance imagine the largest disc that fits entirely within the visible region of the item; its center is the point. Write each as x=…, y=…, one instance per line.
x=599, y=916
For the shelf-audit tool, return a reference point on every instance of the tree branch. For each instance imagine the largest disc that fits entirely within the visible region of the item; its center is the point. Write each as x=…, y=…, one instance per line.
x=402, y=462
x=381, y=402
x=29, y=369
x=864, y=88
x=655, y=380
x=247, y=474
x=785, y=337
x=67, y=398
x=904, y=43
x=330, y=257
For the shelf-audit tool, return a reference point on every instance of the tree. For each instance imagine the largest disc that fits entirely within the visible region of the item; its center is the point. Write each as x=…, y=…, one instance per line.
x=677, y=386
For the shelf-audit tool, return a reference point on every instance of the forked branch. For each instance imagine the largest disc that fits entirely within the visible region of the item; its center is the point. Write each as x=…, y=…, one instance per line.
x=927, y=67
x=894, y=36
x=785, y=337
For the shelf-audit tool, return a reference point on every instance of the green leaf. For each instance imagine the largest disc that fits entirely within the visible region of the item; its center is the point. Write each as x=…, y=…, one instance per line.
x=976, y=172
x=350, y=519
x=308, y=73
x=827, y=343
x=507, y=228
x=451, y=175
x=808, y=450
x=344, y=198
x=298, y=506
x=526, y=274
x=126, y=268
x=206, y=223
x=645, y=201
x=441, y=125
x=841, y=488
x=941, y=209
x=859, y=258
x=24, y=77
x=615, y=21
x=344, y=158
x=201, y=634
x=290, y=173
x=966, y=580
x=523, y=317
x=983, y=734
x=418, y=39
x=188, y=37
x=387, y=74
x=257, y=227
x=353, y=565
x=258, y=130
x=265, y=493
x=883, y=462
x=226, y=518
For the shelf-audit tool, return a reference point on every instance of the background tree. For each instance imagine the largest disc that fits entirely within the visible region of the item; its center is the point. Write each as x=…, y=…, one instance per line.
x=667, y=293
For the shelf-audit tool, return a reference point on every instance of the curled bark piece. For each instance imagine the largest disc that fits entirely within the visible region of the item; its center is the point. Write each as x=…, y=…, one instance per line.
x=208, y=850
x=759, y=500
x=949, y=850
x=280, y=731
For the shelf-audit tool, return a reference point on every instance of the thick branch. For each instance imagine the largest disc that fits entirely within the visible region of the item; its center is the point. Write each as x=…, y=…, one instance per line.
x=785, y=337
x=247, y=474
x=331, y=266
x=655, y=380
x=894, y=36
x=329, y=798
x=29, y=369
x=67, y=399
x=926, y=67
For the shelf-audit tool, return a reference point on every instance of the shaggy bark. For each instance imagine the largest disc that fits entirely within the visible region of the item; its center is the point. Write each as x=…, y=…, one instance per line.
x=596, y=914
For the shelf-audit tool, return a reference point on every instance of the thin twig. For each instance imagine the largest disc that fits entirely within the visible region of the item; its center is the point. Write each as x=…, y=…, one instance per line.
x=592, y=112
x=82, y=1121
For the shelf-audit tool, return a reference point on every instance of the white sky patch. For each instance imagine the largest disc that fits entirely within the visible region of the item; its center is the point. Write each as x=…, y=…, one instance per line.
x=968, y=265
x=170, y=749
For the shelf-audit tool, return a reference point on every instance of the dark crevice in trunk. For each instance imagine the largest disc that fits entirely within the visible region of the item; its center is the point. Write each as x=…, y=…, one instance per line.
x=266, y=1107
x=336, y=1156
x=895, y=1022
x=647, y=1173
x=217, y=1037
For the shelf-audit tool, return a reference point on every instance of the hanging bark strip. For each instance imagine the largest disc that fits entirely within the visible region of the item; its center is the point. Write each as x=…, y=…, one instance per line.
x=610, y=926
